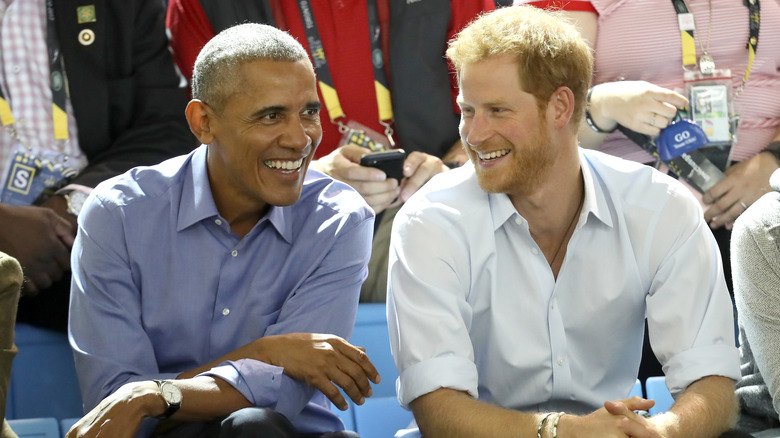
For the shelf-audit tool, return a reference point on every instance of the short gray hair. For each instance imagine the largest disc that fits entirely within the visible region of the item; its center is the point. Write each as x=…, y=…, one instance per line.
x=216, y=72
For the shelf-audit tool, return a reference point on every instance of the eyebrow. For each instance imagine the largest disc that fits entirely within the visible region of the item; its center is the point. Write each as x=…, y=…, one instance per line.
x=282, y=108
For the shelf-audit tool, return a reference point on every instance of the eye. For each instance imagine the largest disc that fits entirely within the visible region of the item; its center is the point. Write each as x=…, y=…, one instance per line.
x=272, y=116
x=467, y=112
x=311, y=112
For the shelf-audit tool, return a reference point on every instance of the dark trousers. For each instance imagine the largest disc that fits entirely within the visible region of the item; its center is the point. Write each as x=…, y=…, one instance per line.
x=248, y=423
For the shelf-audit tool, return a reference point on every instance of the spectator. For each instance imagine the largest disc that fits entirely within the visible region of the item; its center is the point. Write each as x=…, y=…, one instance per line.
x=114, y=101
x=531, y=270
x=10, y=284
x=251, y=259
x=411, y=38
x=755, y=249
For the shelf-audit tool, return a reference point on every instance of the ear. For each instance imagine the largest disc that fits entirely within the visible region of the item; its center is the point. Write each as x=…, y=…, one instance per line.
x=560, y=107
x=200, y=117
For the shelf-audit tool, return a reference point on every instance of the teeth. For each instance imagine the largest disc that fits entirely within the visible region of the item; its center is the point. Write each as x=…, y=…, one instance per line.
x=284, y=165
x=492, y=155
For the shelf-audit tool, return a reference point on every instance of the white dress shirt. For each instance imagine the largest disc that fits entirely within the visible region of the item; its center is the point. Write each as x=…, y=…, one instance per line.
x=473, y=304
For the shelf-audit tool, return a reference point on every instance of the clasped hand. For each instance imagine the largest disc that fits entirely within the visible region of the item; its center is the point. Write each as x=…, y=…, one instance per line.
x=40, y=239
x=616, y=419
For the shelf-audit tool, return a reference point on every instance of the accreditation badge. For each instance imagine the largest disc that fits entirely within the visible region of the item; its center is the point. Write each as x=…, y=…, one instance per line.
x=30, y=176
x=363, y=136
x=712, y=108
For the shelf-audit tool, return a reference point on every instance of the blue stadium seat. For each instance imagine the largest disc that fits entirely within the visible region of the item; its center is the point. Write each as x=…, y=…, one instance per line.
x=656, y=390
x=637, y=389
x=66, y=424
x=381, y=417
x=371, y=333
x=43, y=382
x=36, y=427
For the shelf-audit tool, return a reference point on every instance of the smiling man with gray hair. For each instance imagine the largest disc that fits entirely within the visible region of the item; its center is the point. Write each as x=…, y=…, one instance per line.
x=214, y=291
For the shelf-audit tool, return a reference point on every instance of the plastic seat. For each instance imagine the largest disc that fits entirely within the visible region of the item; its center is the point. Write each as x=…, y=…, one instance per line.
x=636, y=390
x=371, y=333
x=66, y=424
x=381, y=417
x=35, y=427
x=43, y=382
x=657, y=390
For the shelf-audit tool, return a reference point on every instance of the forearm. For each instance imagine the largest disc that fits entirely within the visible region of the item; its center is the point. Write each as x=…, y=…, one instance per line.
x=452, y=414
x=205, y=398
x=707, y=408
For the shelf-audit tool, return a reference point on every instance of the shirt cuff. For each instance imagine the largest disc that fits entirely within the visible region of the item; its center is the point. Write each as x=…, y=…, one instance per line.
x=441, y=372
x=691, y=365
x=259, y=382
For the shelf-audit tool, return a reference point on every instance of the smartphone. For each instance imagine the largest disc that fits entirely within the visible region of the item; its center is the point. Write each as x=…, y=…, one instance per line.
x=390, y=162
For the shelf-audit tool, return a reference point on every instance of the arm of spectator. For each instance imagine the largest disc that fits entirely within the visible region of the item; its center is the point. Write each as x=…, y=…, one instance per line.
x=120, y=414
x=707, y=408
x=755, y=264
x=343, y=164
x=40, y=239
x=154, y=129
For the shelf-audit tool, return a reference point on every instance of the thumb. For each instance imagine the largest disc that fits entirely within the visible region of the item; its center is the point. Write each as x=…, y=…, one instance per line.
x=353, y=153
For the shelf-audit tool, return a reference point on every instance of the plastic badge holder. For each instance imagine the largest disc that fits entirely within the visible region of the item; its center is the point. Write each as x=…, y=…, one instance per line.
x=681, y=136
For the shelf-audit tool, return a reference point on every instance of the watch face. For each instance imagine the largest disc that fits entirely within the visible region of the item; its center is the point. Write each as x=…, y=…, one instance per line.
x=171, y=393
x=76, y=201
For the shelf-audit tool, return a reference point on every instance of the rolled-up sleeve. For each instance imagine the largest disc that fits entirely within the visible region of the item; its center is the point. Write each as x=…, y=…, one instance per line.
x=689, y=311
x=429, y=317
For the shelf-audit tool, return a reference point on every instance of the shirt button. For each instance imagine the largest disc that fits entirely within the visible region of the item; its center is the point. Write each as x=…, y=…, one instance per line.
x=218, y=222
x=234, y=253
x=535, y=251
x=518, y=221
x=17, y=68
x=225, y=311
x=560, y=361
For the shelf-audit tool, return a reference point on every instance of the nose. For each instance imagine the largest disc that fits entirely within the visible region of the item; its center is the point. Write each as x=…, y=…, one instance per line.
x=295, y=136
x=474, y=130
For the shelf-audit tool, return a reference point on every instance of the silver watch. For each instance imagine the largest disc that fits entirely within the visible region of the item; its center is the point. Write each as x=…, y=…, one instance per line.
x=171, y=394
x=75, y=200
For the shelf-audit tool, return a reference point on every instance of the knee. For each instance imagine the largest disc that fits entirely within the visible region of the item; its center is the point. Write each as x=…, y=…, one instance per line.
x=256, y=423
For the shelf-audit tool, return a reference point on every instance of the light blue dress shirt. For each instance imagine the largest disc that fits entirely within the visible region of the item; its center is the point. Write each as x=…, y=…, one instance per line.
x=161, y=285
x=465, y=272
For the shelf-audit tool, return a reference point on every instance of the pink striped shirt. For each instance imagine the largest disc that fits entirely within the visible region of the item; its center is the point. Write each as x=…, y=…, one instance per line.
x=24, y=77
x=640, y=40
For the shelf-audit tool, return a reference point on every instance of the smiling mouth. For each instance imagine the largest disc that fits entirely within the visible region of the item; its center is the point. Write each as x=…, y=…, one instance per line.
x=487, y=156
x=285, y=166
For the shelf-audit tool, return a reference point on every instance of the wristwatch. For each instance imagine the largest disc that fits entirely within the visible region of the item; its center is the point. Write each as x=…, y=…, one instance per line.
x=75, y=200
x=171, y=394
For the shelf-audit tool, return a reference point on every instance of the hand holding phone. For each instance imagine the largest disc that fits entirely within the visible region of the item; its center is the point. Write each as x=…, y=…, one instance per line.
x=390, y=162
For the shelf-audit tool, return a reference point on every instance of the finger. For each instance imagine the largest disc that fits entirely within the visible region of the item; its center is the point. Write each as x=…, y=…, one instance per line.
x=358, y=356
x=424, y=171
x=37, y=281
x=673, y=98
x=352, y=387
x=728, y=216
x=332, y=393
x=386, y=187
x=353, y=153
x=616, y=407
x=61, y=227
x=637, y=403
x=635, y=427
x=381, y=201
x=717, y=191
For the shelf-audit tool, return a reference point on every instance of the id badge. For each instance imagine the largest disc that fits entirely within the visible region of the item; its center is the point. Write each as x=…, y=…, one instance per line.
x=710, y=110
x=29, y=176
x=363, y=136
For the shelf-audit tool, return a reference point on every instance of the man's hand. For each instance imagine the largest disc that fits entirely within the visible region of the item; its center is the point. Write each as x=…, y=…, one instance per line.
x=745, y=182
x=40, y=239
x=119, y=415
x=321, y=361
x=616, y=419
x=418, y=169
x=343, y=165
x=379, y=192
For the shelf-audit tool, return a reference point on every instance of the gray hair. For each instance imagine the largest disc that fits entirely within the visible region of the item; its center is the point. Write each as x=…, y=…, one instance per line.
x=215, y=75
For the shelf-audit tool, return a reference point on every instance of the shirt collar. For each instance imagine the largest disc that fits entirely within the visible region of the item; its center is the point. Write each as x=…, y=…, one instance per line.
x=595, y=201
x=197, y=203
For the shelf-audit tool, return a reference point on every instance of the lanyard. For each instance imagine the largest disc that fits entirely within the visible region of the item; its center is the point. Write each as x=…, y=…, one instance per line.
x=685, y=21
x=325, y=80
x=59, y=88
